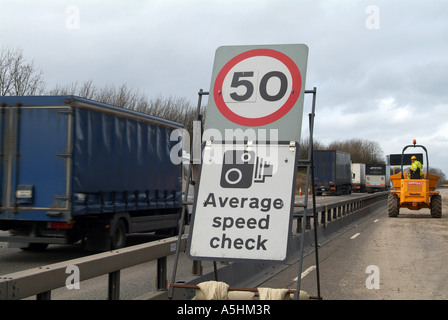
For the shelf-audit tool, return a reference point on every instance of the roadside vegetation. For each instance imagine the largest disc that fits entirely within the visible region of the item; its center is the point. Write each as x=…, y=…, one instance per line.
x=18, y=77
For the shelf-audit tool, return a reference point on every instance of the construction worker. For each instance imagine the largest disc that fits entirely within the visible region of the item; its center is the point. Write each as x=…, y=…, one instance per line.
x=416, y=168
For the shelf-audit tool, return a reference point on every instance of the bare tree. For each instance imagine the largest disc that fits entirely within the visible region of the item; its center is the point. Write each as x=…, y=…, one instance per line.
x=439, y=173
x=17, y=76
x=171, y=108
x=361, y=151
x=305, y=144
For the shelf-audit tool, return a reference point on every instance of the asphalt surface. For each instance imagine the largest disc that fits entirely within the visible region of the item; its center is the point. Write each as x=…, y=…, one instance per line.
x=15, y=259
x=379, y=258
x=376, y=258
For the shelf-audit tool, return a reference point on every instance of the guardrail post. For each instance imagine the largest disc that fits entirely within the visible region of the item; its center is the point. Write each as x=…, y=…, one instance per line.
x=44, y=295
x=161, y=274
x=197, y=268
x=114, y=285
x=38, y=282
x=299, y=225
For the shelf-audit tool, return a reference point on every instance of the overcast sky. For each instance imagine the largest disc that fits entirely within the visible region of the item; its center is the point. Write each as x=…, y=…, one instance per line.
x=380, y=67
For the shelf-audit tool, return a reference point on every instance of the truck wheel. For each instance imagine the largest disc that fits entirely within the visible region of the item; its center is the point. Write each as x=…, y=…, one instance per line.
x=118, y=238
x=35, y=247
x=436, y=206
x=392, y=205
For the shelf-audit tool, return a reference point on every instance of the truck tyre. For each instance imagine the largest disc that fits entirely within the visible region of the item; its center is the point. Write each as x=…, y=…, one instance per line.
x=392, y=205
x=118, y=237
x=35, y=247
x=436, y=206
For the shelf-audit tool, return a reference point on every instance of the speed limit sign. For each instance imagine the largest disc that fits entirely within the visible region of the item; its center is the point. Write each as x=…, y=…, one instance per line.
x=258, y=87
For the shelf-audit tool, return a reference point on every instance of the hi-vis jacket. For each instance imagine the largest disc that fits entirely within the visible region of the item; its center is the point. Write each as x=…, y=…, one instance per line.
x=415, y=166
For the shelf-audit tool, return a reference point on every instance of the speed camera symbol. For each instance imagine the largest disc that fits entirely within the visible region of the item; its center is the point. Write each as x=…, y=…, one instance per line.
x=241, y=168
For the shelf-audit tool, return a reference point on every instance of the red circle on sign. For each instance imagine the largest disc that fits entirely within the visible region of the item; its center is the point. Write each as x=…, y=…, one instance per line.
x=280, y=112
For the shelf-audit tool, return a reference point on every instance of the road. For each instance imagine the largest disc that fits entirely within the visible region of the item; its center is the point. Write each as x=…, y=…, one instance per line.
x=15, y=259
x=404, y=257
x=134, y=282
x=380, y=258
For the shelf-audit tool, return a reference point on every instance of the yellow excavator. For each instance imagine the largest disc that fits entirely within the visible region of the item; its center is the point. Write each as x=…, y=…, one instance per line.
x=412, y=193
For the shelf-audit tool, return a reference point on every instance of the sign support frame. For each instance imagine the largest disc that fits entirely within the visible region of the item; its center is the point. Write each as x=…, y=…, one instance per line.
x=308, y=163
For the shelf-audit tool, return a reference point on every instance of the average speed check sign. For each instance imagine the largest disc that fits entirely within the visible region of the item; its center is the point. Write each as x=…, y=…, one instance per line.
x=244, y=202
x=258, y=87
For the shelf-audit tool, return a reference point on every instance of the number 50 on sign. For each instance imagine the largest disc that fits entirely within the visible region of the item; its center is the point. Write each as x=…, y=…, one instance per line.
x=257, y=86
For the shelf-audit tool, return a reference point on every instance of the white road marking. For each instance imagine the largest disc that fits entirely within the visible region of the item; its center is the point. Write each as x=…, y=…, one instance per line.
x=376, y=220
x=304, y=273
x=355, y=235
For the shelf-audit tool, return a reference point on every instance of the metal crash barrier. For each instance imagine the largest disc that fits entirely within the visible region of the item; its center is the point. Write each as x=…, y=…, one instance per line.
x=329, y=212
x=40, y=281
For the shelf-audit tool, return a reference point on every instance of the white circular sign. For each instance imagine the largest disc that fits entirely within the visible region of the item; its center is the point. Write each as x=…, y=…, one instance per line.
x=257, y=87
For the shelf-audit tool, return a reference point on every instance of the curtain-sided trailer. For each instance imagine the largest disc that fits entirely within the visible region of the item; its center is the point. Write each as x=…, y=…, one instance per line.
x=332, y=172
x=74, y=169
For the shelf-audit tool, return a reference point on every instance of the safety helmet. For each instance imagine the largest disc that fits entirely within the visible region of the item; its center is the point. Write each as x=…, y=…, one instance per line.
x=413, y=158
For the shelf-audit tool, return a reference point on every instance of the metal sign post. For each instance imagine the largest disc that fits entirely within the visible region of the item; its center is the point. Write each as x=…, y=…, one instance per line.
x=309, y=164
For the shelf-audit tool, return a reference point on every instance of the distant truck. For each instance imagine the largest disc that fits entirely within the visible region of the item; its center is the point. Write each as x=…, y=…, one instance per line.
x=358, y=177
x=377, y=177
x=74, y=169
x=332, y=172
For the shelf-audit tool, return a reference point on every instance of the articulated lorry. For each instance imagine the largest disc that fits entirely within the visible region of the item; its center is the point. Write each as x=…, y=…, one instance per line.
x=358, y=177
x=377, y=177
x=74, y=169
x=332, y=172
